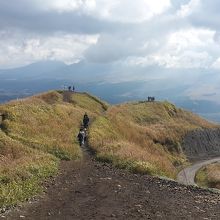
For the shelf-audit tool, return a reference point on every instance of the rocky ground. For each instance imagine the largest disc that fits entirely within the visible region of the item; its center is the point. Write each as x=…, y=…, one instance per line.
x=94, y=190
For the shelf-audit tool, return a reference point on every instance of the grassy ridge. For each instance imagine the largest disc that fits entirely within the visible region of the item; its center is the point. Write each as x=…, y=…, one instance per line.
x=39, y=131
x=209, y=176
x=36, y=133
x=144, y=137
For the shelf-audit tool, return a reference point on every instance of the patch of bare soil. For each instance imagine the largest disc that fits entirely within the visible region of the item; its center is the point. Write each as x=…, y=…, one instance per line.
x=94, y=190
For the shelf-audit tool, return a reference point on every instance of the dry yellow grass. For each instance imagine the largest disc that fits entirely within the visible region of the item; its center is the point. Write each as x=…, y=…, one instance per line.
x=35, y=133
x=144, y=137
x=209, y=176
x=40, y=130
x=47, y=123
x=21, y=169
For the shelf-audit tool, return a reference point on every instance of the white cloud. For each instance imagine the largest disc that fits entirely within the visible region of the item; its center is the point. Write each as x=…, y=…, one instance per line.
x=136, y=11
x=190, y=38
x=187, y=59
x=115, y=10
x=187, y=48
x=24, y=50
x=141, y=32
x=189, y=8
x=67, y=5
x=216, y=64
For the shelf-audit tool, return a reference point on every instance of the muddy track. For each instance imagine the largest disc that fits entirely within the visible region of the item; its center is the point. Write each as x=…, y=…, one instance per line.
x=89, y=189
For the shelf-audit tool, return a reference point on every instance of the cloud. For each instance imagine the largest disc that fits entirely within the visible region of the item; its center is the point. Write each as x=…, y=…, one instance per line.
x=117, y=10
x=189, y=8
x=17, y=50
x=84, y=16
x=133, y=11
x=168, y=33
x=206, y=15
x=187, y=48
x=216, y=64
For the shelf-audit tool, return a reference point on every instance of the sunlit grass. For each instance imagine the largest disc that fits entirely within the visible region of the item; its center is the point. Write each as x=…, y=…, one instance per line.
x=144, y=137
x=209, y=176
x=36, y=133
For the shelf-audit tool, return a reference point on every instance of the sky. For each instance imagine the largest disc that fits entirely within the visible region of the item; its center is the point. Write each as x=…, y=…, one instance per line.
x=173, y=34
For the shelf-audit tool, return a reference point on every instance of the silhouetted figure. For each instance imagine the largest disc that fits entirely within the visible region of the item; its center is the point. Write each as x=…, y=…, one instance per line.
x=73, y=89
x=81, y=137
x=85, y=120
x=150, y=99
x=69, y=88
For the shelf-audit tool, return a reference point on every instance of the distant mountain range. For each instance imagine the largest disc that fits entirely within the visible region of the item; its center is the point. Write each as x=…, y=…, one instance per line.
x=194, y=89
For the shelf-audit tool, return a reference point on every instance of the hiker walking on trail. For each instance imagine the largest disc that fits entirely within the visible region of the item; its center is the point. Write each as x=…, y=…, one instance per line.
x=86, y=134
x=81, y=137
x=85, y=120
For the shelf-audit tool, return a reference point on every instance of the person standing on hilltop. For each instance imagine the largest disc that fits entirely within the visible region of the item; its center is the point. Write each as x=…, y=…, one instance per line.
x=85, y=120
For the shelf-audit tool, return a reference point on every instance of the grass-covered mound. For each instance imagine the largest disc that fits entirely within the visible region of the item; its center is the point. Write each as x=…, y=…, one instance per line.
x=209, y=176
x=36, y=132
x=144, y=137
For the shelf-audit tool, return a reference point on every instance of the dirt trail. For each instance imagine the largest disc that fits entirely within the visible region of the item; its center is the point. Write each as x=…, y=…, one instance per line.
x=187, y=175
x=92, y=190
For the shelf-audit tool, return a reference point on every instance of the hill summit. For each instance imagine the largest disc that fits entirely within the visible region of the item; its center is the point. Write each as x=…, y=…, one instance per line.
x=39, y=131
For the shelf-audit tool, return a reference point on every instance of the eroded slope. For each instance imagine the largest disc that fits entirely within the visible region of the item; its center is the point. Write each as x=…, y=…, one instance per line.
x=145, y=137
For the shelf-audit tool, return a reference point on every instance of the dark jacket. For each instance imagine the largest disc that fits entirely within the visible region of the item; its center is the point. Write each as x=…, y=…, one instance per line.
x=81, y=136
x=85, y=120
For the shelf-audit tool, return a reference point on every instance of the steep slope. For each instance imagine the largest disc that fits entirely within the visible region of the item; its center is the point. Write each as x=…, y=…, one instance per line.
x=35, y=133
x=144, y=137
x=202, y=143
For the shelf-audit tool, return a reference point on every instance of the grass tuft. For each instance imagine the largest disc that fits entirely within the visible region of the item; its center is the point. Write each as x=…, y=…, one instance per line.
x=209, y=176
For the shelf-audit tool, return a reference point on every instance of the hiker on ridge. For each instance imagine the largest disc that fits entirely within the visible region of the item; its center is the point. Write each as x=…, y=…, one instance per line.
x=85, y=120
x=81, y=137
x=86, y=134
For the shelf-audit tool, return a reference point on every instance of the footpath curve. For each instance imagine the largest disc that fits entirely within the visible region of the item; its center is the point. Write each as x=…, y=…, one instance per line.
x=187, y=175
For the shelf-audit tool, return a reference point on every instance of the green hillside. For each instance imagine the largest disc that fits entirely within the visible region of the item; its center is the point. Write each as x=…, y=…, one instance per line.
x=36, y=132
x=144, y=137
x=39, y=131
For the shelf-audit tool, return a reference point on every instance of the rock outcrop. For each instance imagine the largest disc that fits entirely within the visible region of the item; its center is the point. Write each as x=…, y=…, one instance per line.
x=202, y=143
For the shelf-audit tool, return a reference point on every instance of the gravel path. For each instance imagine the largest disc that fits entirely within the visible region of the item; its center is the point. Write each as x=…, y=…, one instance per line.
x=187, y=175
x=91, y=190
